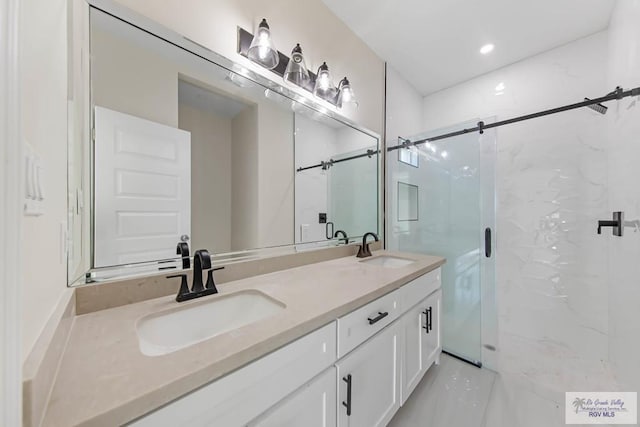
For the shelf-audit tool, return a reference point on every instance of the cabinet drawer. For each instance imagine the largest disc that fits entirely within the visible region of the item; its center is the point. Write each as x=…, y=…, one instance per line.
x=357, y=326
x=419, y=288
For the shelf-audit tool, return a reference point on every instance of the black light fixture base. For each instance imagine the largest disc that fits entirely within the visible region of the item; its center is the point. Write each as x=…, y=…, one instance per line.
x=244, y=42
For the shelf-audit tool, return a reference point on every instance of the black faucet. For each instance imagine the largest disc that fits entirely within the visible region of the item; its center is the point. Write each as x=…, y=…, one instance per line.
x=201, y=261
x=183, y=250
x=617, y=224
x=364, y=250
x=344, y=236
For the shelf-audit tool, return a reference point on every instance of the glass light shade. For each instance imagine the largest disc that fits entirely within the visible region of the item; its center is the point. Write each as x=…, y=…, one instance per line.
x=346, y=95
x=262, y=50
x=324, y=83
x=296, y=71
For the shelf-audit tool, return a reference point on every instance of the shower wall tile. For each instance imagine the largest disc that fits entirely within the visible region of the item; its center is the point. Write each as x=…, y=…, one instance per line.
x=624, y=174
x=551, y=183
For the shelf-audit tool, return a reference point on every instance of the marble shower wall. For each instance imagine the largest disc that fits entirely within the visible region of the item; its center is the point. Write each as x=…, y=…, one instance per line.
x=551, y=266
x=624, y=176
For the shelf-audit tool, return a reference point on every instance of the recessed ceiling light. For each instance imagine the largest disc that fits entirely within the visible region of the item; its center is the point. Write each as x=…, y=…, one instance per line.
x=500, y=87
x=444, y=154
x=487, y=48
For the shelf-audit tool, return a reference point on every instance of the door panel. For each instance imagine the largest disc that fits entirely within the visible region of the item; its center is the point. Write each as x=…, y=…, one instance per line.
x=412, y=359
x=142, y=189
x=314, y=405
x=375, y=381
x=431, y=343
x=455, y=200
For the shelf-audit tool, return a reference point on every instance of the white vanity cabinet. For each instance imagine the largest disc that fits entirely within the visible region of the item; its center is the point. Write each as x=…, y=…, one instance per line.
x=238, y=398
x=421, y=342
x=354, y=372
x=313, y=405
x=368, y=381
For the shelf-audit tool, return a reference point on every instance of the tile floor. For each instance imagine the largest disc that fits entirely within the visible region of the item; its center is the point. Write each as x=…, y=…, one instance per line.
x=452, y=394
x=457, y=394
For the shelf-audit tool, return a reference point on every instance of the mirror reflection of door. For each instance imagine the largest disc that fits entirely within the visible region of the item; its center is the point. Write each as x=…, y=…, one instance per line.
x=143, y=189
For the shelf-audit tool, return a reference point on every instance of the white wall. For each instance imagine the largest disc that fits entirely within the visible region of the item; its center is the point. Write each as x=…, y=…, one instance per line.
x=623, y=154
x=551, y=189
x=244, y=182
x=404, y=108
x=275, y=176
x=43, y=63
x=322, y=35
x=210, y=178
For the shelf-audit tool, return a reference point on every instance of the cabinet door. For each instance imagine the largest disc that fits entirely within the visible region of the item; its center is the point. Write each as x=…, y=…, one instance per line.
x=313, y=405
x=414, y=324
x=237, y=398
x=432, y=347
x=369, y=381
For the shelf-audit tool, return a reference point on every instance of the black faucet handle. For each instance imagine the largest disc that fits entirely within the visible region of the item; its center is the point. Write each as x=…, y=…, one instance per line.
x=211, y=284
x=182, y=249
x=184, y=287
x=204, y=258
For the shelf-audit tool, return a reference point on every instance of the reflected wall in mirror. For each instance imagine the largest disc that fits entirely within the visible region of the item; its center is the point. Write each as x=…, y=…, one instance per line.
x=184, y=149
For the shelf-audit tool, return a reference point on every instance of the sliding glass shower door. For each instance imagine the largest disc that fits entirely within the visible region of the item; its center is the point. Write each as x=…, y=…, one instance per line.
x=441, y=202
x=353, y=192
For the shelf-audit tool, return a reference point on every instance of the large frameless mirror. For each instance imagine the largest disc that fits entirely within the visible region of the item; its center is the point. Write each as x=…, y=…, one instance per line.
x=181, y=148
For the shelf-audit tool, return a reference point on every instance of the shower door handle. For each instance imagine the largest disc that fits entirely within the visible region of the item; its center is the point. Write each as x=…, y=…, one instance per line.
x=487, y=242
x=328, y=234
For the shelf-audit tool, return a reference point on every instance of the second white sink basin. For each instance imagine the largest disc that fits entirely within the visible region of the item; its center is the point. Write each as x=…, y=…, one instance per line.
x=388, y=261
x=171, y=330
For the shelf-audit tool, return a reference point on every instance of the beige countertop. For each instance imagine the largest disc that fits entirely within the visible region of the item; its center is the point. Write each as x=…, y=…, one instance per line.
x=104, y=379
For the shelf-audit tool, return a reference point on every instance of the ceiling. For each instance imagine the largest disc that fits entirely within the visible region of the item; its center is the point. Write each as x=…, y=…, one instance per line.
x=435, y=44
x=208, y=100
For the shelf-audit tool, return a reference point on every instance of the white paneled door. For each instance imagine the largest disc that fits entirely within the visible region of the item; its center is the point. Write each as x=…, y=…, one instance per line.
x=142, y=189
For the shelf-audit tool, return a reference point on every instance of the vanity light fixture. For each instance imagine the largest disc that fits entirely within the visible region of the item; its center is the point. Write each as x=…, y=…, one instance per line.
x=296, y=71
x=262, y=50
x=345, y=94
x=324, y=88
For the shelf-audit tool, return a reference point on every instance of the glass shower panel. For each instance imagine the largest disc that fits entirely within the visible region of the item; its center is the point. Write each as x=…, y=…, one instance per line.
x=352, y=193
x=450, y=221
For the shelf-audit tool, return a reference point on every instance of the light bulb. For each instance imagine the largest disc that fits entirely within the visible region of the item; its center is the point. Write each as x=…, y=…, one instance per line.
x=324, y=85
x=345, y=94
x=262, y=49
x=323, y=81
x=296, y=71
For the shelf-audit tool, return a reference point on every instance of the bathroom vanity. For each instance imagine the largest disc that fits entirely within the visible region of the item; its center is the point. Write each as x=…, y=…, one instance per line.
x=208, y=152
x=351, y=340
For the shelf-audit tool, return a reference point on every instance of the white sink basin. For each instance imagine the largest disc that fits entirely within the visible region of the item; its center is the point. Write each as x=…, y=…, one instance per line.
x=170, y=330
x=388, y=261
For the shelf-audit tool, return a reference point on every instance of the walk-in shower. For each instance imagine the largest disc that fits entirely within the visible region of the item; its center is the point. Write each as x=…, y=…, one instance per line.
x=441, y=200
